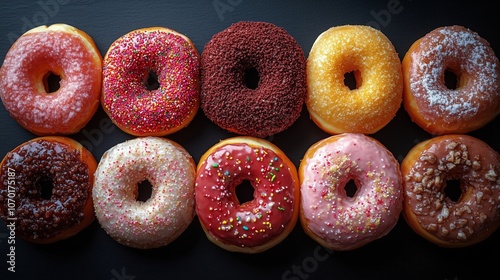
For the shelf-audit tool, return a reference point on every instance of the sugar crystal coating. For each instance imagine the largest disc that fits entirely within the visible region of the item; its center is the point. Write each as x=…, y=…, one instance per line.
x=344, y=222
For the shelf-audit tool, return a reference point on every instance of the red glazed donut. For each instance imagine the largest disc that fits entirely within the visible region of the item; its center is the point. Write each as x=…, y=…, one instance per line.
x=434, y=106
x=253, y=226
x=46, y=189
x=230, y=58
x=37, y=56
x=128, y=99
x=333, y=218
x=434, y=215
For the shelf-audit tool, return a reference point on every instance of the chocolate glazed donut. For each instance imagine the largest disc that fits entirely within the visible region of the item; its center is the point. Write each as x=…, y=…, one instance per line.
x=253, y=79
x=46, y=187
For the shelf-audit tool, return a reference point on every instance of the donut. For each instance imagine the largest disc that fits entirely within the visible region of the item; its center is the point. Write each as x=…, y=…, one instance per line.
x=46, y=189
x=253, y=79
x=250, y=226
x=369, y=56
x=436, y=213
x=159, y=220
x=472, y=96
x=151, y=82
x=332, y=216
x=29, y=76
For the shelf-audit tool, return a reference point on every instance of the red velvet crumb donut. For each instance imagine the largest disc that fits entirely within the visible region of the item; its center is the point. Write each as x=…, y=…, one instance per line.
x=253, y=51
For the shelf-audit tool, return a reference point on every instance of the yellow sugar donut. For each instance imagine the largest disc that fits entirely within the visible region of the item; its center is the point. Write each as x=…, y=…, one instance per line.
x=370, y=56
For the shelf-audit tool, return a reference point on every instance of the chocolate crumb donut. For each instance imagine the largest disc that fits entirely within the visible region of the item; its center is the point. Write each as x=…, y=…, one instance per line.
x=253, y=79
x=46, y=189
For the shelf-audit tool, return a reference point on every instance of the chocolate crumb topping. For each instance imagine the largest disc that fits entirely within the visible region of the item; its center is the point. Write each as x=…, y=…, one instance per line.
x=50, y=184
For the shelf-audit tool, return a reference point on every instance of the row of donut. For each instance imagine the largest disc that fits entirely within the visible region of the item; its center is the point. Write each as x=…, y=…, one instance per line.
x=54, y=188
x=126, y=72
x=251, y=79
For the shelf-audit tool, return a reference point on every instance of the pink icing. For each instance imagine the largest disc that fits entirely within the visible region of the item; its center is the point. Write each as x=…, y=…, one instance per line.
x=126, y=67
x=466, y=53
x=375, y=207
x=21, y=82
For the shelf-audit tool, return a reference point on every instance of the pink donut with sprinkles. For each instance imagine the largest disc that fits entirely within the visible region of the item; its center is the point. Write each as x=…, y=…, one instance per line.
x=151, y=82
x=50, y=80
x=336, y=219
x=159, y=220
x=246, y=226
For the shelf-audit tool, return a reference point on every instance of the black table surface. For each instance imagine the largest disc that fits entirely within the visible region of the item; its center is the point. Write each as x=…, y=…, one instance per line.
x=92, y=254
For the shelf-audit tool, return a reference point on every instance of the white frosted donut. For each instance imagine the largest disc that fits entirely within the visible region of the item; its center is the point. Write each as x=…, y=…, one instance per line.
x=167, y=213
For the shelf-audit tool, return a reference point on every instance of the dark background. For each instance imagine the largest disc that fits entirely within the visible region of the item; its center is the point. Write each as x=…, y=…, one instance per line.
x=399, y=255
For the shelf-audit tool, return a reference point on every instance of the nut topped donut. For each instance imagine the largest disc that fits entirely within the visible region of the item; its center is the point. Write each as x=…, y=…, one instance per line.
x=462, y=105
x=452, y=218
x=50, y=80
x=371, y=58
x=151, y=82
x=253, y=79
x=46, y=189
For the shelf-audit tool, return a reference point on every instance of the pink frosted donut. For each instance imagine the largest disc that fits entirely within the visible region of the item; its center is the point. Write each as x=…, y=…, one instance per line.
x=253, y=226
x=151, y=82
x=50, y=80
x=328, y=214
x=166, y=214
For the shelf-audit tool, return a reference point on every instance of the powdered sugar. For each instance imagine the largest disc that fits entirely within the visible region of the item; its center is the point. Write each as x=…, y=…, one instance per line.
x=461, y=51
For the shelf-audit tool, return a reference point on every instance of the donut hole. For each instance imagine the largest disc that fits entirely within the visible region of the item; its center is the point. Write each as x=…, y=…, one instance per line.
x=451, y=79
x=352, y=79
x=251, y=77
x=45, y=185
x=144, y=191
x=244, y=192
x=151, y=82
x=350, y=188
x=453, y=190
x=51, y=82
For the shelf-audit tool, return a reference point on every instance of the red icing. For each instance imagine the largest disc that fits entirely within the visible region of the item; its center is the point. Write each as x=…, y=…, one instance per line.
x=127, y=64
x=252, y=223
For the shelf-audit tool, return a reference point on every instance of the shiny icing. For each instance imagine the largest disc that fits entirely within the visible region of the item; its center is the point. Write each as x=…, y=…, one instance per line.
x=375, y=207
x=255, y=222
x=454, y=157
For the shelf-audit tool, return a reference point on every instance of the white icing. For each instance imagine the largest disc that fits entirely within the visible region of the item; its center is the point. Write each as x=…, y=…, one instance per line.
x=163, y=217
